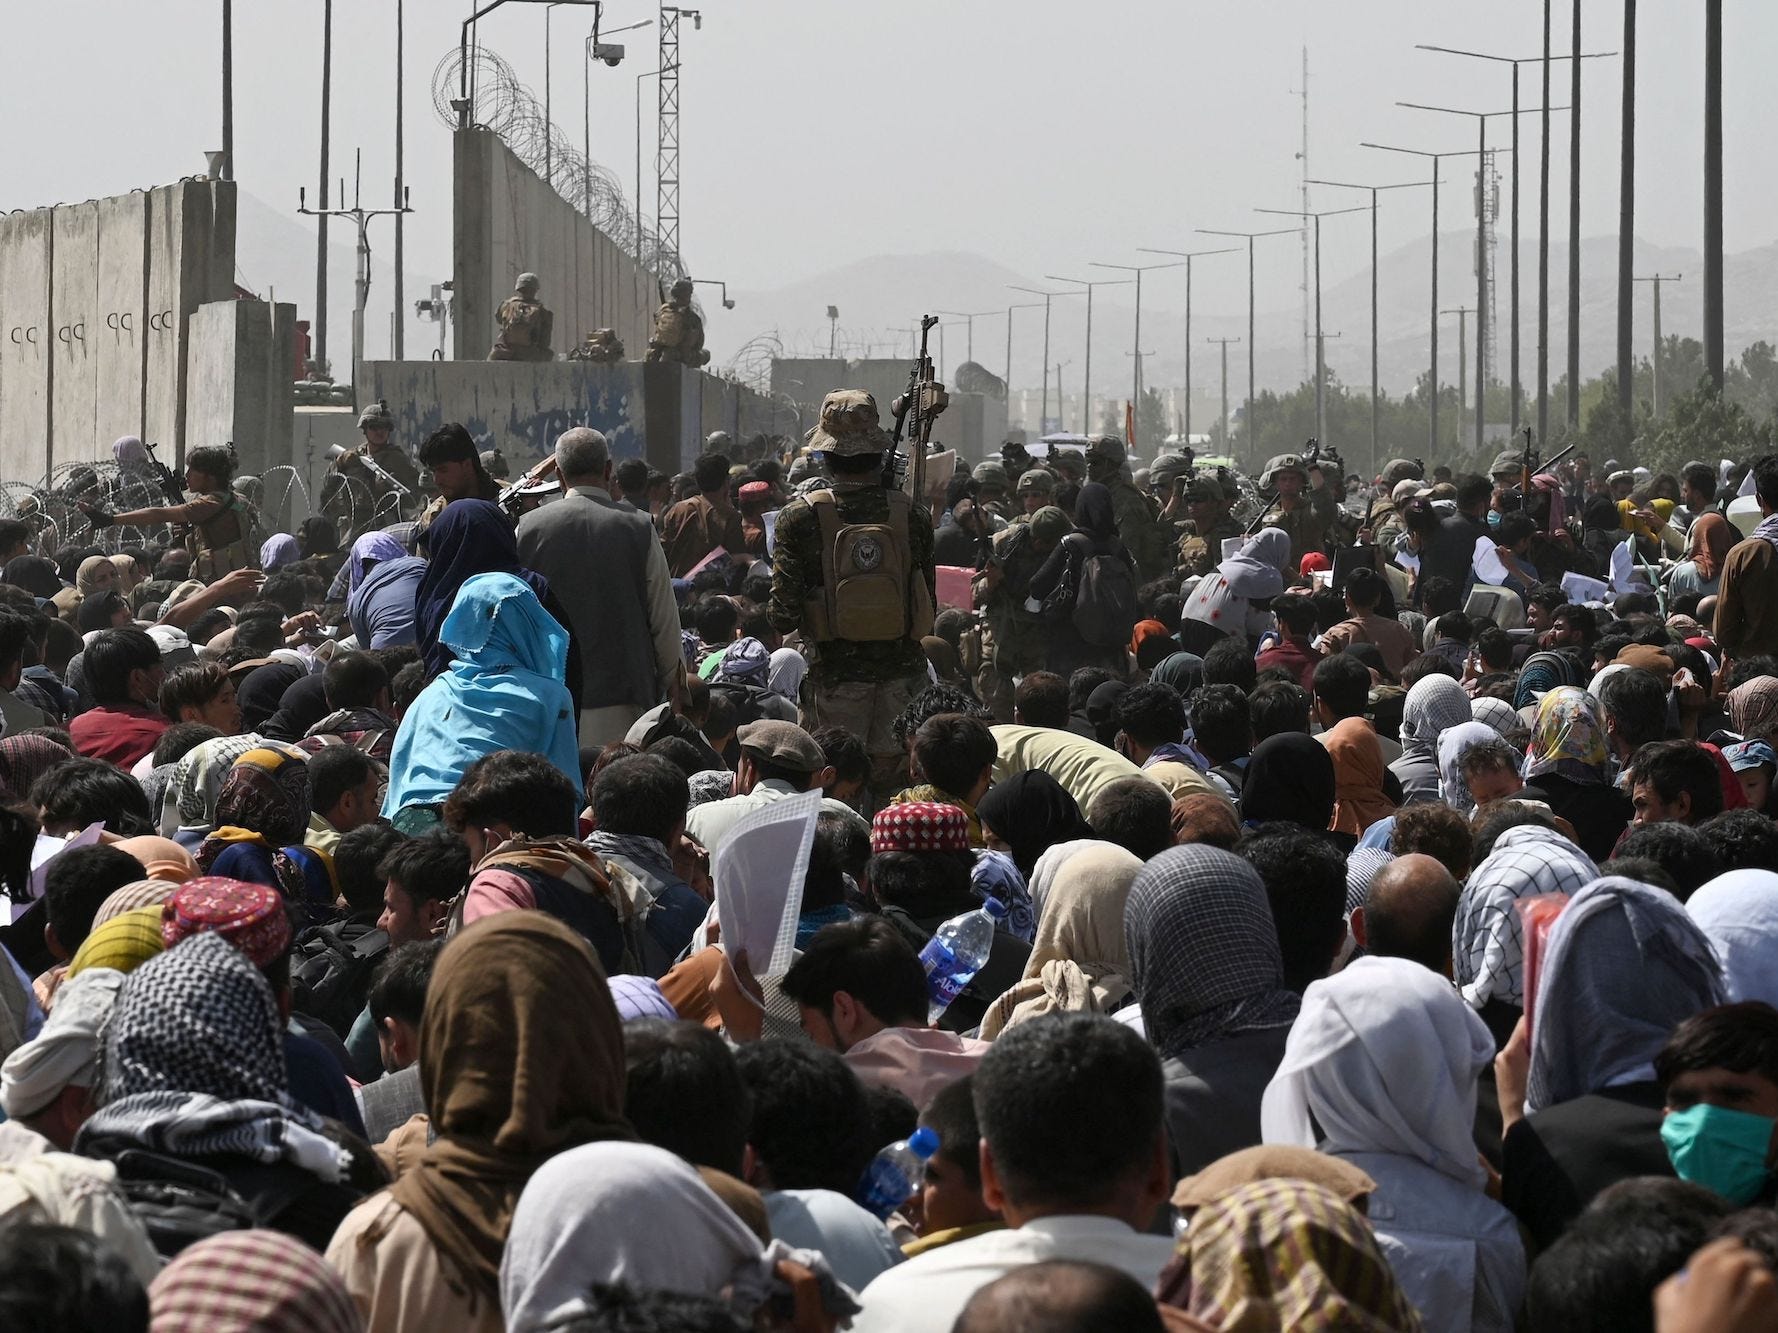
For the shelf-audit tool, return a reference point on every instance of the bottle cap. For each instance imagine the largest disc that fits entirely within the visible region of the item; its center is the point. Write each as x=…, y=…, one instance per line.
x=923, y=1142
x=994, y=908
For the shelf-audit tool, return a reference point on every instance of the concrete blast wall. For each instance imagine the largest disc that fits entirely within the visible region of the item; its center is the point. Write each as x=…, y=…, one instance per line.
x=974, y=424
x=96, y=303
x=508, y=222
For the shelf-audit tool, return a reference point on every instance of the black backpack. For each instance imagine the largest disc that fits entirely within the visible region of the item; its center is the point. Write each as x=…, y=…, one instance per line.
x=744, y=698
x=180, y=1203
x=330, y=970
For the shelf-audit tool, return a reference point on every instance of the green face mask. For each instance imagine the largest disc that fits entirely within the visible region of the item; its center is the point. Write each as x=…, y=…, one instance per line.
x=1722, y=1150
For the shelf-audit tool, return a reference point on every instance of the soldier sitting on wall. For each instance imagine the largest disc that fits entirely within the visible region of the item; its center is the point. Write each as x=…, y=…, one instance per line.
x=525, y=325
x=678, y=330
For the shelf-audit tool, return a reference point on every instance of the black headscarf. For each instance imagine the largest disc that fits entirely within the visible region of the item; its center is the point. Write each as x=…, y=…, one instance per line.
x=259, y=693
x=1290, y=776
x=1093, y=514
x=300, y=707
x=1102, y=709
x=35, y=574
x=1031, y=812
x=468, y=537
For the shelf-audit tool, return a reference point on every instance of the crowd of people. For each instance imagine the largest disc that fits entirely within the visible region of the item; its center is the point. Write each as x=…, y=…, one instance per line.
x=1382, y=877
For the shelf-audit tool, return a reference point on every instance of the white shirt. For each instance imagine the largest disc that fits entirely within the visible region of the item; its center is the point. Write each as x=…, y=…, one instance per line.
x=711, y=822
x=930, y=1290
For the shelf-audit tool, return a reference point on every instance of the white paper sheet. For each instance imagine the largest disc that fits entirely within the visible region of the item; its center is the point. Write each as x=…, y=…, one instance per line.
x=759, y=872
x=1580, y=588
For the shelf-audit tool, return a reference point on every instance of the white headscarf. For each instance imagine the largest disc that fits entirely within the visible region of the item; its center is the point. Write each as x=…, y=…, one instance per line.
x=785, y=674
x=623, y=1212
x=1255, y=573
x=1495, y=713
x=1385, y=1056
x=1623, y=967
x=1738, y=912
x=66, y=1051
x=1434, y=704
x=1043, y=874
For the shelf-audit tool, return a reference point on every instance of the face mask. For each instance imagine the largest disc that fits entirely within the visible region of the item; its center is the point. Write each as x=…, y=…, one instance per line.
x=1493, y=518
x=1720, y=1149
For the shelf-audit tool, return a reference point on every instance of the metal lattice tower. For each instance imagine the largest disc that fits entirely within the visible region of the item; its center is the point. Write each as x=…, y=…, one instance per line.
x=666, y=159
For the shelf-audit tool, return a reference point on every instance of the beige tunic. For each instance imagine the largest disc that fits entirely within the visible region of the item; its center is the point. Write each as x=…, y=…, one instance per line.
x=400, y=1282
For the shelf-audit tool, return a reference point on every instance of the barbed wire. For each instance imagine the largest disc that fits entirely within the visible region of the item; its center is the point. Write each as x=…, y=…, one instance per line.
x=510, y=109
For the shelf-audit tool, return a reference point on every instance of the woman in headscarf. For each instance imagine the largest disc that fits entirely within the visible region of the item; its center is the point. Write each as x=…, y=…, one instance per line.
x=1753, y=709
x=785, y=674
x=1286, y=1254
x=1566, y=768
x=1453, y=787
x=1151, y=644
x=503, y=691
x=1236, y=599
x=1095, y=533
x=1542, y=673
x=1497, y=714
x=250, y=1282
x=1050, y=864
x=277, y=551
x=596, y=1215
x=1027, y=814
x=261, y=812
x=1183, y=671
x=1738, y=913
x=370, y=550
x=36, y=574
x=163, y=860
x=942, y=656
x=1359, y=798
x=1623, y=966
x=1434, y=705
x=1102, y=709
x=261, y=689
x=1487, y=938
x=1290, y=776
x=1079, y=962
x=521, y=1057
x=194, y=1069
x=1208, y=973
x=1707, y=546
x=96, y=575
x=24, y=759
x=1381, y=1070
x=381, y=610
x=188, y=810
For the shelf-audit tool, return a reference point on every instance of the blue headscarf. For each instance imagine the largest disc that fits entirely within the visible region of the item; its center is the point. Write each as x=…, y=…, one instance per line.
x=468, y=537
x=504, y=691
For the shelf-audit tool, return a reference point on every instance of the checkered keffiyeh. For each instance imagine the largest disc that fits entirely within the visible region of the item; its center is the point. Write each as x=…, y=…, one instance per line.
x=260, y=1280
x=919, y=826
x=1487, y=941
x=249, y=916
x=1204, y=957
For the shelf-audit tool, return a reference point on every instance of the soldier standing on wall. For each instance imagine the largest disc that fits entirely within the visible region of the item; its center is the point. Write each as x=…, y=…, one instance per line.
x=215, y=528
x=678, y=330
x=525, y=325
x=853, y=571
x=1138, y=522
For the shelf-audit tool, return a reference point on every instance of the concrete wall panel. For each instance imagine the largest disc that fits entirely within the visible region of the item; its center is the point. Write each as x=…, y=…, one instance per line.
x=75, y=325
x=25, y=339
x=117, y=336
x=164, y=362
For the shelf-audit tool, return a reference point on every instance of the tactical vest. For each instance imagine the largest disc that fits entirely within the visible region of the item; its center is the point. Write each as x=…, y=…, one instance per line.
x=870, y=590
x=517, y=316
x=219, y=543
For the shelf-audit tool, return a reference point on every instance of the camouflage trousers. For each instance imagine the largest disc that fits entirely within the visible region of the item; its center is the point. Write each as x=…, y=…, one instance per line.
x=1005, y=658
x=868, y=710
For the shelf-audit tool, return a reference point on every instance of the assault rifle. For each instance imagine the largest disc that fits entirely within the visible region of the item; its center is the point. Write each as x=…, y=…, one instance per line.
x=170, y=486
x=1313, y=453
x=915, y=411
x=511, y=493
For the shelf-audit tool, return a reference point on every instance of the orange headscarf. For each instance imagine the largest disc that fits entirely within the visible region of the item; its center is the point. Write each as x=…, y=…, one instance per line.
x=1359, y=799
x=1708, y=544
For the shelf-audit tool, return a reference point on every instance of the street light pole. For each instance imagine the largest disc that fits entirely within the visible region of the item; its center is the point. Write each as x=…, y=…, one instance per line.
x=1044, y=411
x=1655, y=280
x=1320, y=360
x=1138, y=270
x=1225, y=389
x=1461, y=312
x=1713, y=349
x=1188, y=256
x=1250, y=237
x=1028, y=305
x=1376, y=391
x=1086, y=392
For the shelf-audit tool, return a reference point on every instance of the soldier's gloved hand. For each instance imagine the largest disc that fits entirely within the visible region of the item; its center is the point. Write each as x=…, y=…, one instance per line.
x=99, y=518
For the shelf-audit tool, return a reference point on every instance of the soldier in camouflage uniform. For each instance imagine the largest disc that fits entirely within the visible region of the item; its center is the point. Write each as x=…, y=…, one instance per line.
x=991, y=487
x=1036, y=490
x=1138, y=520
x=1303, y=512
x=1211, y=524
x=526, y=325
x=678, y=330
x=1014, y=645
x=860, y=685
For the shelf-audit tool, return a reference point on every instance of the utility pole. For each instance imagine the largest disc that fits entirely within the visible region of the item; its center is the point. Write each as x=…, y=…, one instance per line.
x=1225, y=391
x=320, y=342
x=361, y=216
x=666, y=160
x=1713, y=351
x=1543, y=248
x=399, y=350
x=1250, y=237
x=1086, y=392
x=1028, y=305
x=1655, y=280
x=1188, y=256
x=1302, y=158
x=1626, y=220
x=1574, y=229
x=1376, y=392
x=1044, y=412
x=1136, y=339
x=228, y=90
x=1320, y=360
x=1461, y=312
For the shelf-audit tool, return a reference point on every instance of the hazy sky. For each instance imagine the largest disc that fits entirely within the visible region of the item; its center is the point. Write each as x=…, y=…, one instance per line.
x=816, y=132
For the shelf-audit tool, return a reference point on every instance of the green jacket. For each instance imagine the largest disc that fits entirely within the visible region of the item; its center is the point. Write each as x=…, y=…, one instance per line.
x=796, y=574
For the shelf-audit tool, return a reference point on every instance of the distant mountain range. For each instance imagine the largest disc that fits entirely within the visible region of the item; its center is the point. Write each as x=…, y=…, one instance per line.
x=881, y=298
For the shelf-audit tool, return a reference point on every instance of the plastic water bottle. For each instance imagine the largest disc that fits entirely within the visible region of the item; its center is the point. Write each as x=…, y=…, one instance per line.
x=956, y=952
x=895, y=1174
